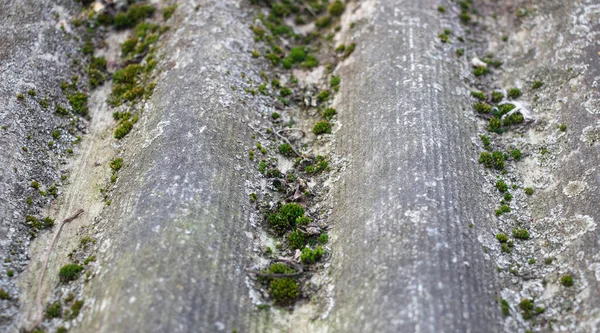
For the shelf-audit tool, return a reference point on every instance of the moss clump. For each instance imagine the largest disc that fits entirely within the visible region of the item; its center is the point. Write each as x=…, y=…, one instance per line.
x=335, y=81
x=78, y=101
x=444, y=38
x=169, y=11
x=349, y=49
x=35, y=185
x=10, y=273
x=492, y=160
x=537, y=84
x=128, y=46
x=507, y=197
x=495, y=125
x=562, y=127
x=505, y=307
x=486, y=141
x=481, y=70
x=479, y=95
x=54, y=310
x=286, y=149
x=567, y=280
x=285, y=218
x=309, y=256
x=285, y=91
x=116, y=164
x=513, y=119
x=482, y=107
x=70, y=272
x=441, y=9
x=497, y=96
x=516, y=154
x=502, y=238
x=323, y=238
x=527, y=308
x=88, y=47
x=323, y=22
x=123, y=129
x=76, y=308
x=503, y=209
x=329, y=113
x=297, y=54
x=336, y=8
x=284, y=290
x=514, y=93
x=135, y=13
x=501, y=185
x=296, y=240
x=20, y=97
x=520, y=233
x=322, y=127
x=4, y=294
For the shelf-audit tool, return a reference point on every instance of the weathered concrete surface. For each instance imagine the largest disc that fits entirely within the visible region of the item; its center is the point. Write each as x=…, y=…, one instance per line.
x=33, y=55
x=173, y=244
x=405, y=259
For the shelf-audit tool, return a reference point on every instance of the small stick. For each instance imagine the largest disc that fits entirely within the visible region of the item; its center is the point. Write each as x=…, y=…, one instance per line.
x=38, y=299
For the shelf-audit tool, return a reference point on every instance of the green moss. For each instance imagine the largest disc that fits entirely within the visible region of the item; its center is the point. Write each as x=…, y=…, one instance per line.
x=502, y=238
x=349, y=49
x=441, y=9
x=336, y=8
x=504, y=38
x=61, y=329
x=492, y=160
x=61, y=111
x=497, y=96
x=20, y=97
x=501, y=185
x=505, y=248
x=329, y=113
x=323, y=238
x=567, y=280
x=78, y=101
x=253, y=197
x=283, y=291
x=76, y=308
x=88, y=47
x=335, y=81
x=169, y=11
x=323, y=22
x=48, y=222
x=495, y=125
x=135, y=13
x=444, y=38
x=482, y=107
x=460, y=52
x=89, y=259
x=35, y=185
x=527, y=306
x=296, y=240
x=286, y=149
x=537, y=84
x=514, y=93
x=70, y=272
x=4, y=294
x=505, y=307
x=513, y=119
x=481, y=70
x=116, y=164
x=507, y=197
x=31, y=92
x=520, y=233
x=123, y=129
x=129, y=45
x=503, y=209
x=562, y=127
x=323, y=95
x=486, y=141
x=310, y=62
x=297, y=54
x=516, y=154
x=309, y=256
x=285, y=91
x=322, y=127
x=285, y=218
x=10, y=273
x=54, y=310
x=479, y=95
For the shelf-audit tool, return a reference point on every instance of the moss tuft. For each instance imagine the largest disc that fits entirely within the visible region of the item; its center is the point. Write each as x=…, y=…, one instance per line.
x=567, y=280
x=520, y=233
x=70, y=272
x=321, y=128
x=336, y=8
x=309, y=256
x=54, y=310
x=284, y=290
x=285, y=218
x=514, y=93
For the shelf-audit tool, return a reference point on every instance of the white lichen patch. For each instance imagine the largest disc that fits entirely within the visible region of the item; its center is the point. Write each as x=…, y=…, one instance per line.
x=591, y=135
x=574, y=188
x=558, y=232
